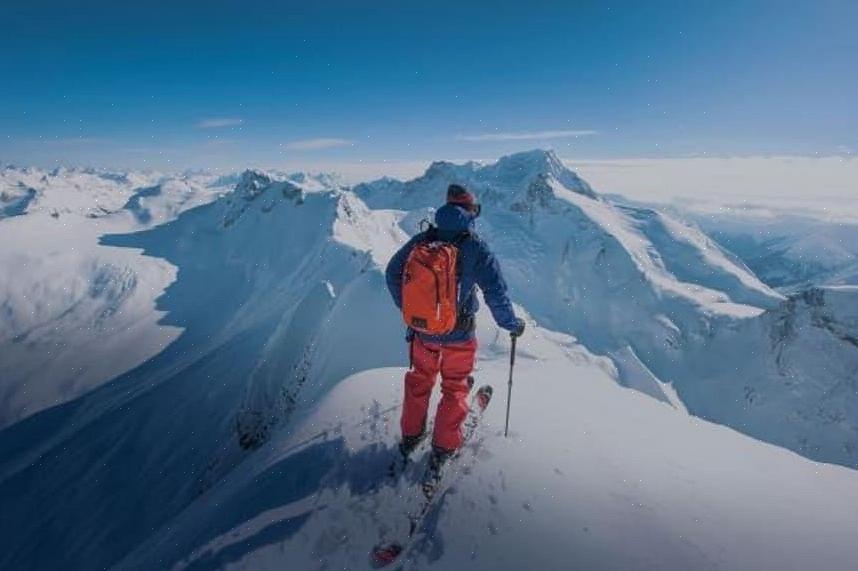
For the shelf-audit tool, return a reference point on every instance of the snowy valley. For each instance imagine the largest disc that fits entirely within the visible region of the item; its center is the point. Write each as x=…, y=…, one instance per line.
x=202, y=372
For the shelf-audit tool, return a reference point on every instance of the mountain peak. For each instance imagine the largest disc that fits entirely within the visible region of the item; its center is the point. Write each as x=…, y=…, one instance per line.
x=251, y=183
x=538, y=159
x=527, y=166
x=515, y=178
x=448, y=170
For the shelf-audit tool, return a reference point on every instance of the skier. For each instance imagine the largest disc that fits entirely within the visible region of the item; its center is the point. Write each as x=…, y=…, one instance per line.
x=433, y=280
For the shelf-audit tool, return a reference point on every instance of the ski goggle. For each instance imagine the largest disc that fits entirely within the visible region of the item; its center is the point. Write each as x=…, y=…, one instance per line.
x=475, y=210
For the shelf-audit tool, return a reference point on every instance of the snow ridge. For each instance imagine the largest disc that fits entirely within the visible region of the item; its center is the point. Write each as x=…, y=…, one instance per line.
x=221, y=350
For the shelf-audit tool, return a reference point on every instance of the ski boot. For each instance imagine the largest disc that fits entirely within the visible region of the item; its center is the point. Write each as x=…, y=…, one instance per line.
x=435, y=470
x=409, y=443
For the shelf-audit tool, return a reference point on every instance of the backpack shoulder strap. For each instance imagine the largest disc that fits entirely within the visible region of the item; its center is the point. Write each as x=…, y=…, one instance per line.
x=431, y=233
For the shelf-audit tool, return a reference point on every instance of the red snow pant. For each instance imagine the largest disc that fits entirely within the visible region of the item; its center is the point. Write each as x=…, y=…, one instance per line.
x=454, y=361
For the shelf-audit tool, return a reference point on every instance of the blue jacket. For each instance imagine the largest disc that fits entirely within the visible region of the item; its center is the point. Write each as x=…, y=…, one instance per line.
x=477, y=266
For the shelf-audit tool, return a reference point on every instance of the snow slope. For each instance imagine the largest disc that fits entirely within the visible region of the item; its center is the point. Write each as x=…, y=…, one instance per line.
x=255, y=436
x=610, y=479
x=75, y=314
x=88, y=307
x=72, y=314
x=267, y=297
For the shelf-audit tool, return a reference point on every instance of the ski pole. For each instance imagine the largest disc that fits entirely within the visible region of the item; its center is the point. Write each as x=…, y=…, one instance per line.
x=509, y=386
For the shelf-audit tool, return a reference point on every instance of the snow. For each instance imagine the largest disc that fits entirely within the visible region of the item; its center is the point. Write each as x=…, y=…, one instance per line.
x=788, y=251
x=633, y=373
x=87, y=307
x=592, y=476
x=81, y=191
x=791, y=253
x=204, y=371
x=73, y=313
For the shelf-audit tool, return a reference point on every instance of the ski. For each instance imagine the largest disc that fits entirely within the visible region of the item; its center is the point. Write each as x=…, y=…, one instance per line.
x=433, y=485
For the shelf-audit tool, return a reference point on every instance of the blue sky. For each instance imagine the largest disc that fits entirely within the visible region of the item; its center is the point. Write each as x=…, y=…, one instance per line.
x=231, y=84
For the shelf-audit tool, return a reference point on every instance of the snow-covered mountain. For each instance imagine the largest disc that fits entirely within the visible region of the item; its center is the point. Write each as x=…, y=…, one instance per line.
x=86, y=192
x=226, y=365
x=88, y=308
x=789, y=251
x=659, y=297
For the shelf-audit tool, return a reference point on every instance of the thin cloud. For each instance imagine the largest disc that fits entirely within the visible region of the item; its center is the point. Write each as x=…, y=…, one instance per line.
x=316, y=144
x=75, y=141
x=528, y=136
x=219, y=122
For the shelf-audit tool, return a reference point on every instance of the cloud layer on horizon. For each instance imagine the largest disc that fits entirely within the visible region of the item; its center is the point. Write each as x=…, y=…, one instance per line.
x=817, y=187
x=528, y=135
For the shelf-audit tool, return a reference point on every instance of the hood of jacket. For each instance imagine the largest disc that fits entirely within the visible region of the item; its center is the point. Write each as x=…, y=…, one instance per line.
x=451, y=218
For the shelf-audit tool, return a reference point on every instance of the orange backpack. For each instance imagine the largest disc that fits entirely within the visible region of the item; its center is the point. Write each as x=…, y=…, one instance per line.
x=430, y=287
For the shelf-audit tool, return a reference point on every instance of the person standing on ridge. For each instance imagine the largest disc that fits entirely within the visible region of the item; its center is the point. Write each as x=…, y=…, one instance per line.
x=433, y=280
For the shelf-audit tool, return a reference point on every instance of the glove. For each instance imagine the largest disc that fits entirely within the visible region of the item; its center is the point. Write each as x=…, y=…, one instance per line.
x=519, y=328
